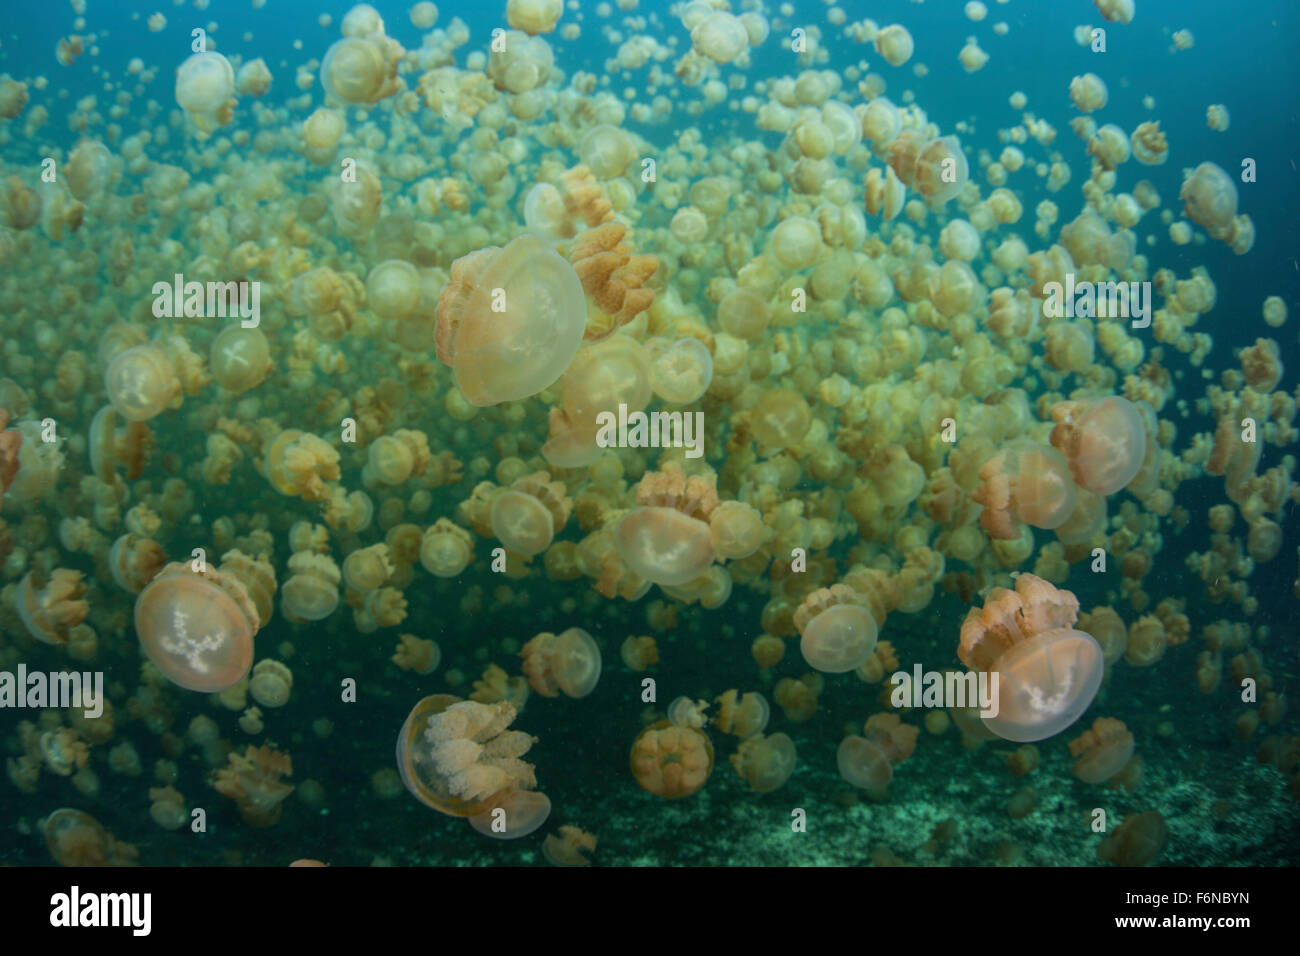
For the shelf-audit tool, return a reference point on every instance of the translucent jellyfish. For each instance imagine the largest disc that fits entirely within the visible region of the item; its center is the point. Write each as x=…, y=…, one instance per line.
x=1027, y=481
x=88, y=170
x=681, y=373
x=534, y=16
x=663, y=545
x=458, y=756
x=510, y=320
x=1045, y=684
x=720, y=36
x=606, y=150
x=780, y=418
x=765, y=763
x=1210, y=198
x=743, y=314
x=240, y=358
x=1088, y=92
x=604, y=375
x=141, y=382
x=50, y=608
x=515, y=814
x=521, y=522
x=311, y=592
x=796, y=242
x=1102, y=751
x=544, y=212
x=197, y=628
x=204, y=82
x=446, y=549
x=361, y=70
x=671, y=761
x=837, y=634
x=1104, y=442
x=393, y=289
x=863, y=764
x=737, y=530
x=895, y=44
x=567, y=663
x=1150, y=148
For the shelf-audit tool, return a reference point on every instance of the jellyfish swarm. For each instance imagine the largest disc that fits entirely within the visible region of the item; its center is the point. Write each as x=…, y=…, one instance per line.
x=1048, y=672
x=197, y=627
x=510, y=320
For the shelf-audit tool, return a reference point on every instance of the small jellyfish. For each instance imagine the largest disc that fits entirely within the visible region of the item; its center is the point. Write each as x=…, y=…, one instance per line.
x=681, y=373
x=837, y=634
x=510, y=320
x=197, y=628
x=240, y=358
x=765, y=763
x=671, y=761
x=863, y=764
x=141, y=382
x=514, y=814
x=567, y=663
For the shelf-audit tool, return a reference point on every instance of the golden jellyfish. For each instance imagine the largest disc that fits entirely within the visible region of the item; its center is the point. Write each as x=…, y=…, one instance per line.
x=270, y=683
x=133, y=561
x=446, y=549
x=513, y=814
x=197, y=627
x=51, y=607
x=639, y=653
x=75, y=838
x=1210, y=199
x=864, y=765
x=1026, y=481
x=780, y=418
x=1150, y=148
x=534, y=16
x=671, y=761
x=743, y=313
x=361, y=70
x=204, y=83
x=737, y=530
x=311, y=593
x=141, y=382
x=1102, y=751
x=837, y=633
x=765, y=763
x=1139, y=839
x=89, y=169
x=894, y=44
x=972, y=57
x=526, y=516
x=393, y=289
x=681, y=373
x=240, y=358
x=569, y=847
x=458, y=756
x=301, y=465
x=668, y=539
x=11, y=446
x=510, y=320
x=720, y=36
x=1216, y=117
x=252, y=780
x=416, y=654
x=1116, y=11
x=1048, y=672
x=796, y=242
x=567, y=663
x=941, y=170
x=1274, y=312
x=1088, y=92
x=606, y=150
x=1104, y=442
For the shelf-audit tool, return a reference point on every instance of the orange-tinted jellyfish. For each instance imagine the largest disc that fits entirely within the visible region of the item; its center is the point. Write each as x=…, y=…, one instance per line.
x=512, y=815
x=671, y=761
x=1045, y=684
x=415, y=762
x=663, y=545
x=197, y=628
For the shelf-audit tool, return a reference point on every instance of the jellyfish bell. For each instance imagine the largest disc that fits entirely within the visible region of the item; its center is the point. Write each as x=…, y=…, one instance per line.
x=141, y=382
x=197, y=628
x=512, y=815
x=1045, y=684
x=1104, y=442
x=663, y=545
x=204, y=82
x=521, y=522
x=415, y=762
x=839, y=639
x=510, y=320
x=863, y=764
x=681, y=373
